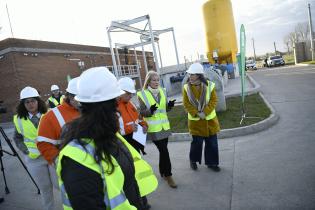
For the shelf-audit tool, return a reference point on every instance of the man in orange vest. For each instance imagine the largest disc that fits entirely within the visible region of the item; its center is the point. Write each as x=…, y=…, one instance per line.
x=50, y=125
x=128, y=115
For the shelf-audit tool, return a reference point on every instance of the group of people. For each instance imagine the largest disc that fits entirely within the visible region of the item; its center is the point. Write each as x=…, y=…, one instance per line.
x=85, y=147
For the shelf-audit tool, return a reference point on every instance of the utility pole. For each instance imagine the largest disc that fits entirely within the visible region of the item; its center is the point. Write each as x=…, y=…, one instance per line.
x=9, y=21
x=311, y=30
x=274, y=44
x=254, y=48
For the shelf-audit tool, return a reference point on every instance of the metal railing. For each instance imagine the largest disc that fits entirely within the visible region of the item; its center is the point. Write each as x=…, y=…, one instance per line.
x=126, y=70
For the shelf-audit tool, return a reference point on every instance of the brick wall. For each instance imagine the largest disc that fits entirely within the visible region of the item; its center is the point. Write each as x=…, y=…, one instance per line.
x=40, y=70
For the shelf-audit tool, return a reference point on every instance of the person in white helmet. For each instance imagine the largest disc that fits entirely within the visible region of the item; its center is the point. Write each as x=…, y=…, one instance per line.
x=28, y=113
x=96, y=165
x=50, y=126
x=56, y=97
x=128, y=115
x=199, y=100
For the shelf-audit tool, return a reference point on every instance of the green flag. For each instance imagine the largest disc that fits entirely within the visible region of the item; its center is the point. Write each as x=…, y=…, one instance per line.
x=68, y=78
x=242, y=60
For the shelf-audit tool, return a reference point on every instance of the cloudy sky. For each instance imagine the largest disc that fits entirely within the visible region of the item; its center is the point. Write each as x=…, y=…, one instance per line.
x=85, y=22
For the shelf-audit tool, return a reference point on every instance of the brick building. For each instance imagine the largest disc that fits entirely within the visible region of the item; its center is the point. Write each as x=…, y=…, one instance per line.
x=40, y=64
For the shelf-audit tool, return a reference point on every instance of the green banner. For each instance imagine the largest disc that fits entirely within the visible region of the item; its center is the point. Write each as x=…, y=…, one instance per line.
x=242, y=60
x=68, y=78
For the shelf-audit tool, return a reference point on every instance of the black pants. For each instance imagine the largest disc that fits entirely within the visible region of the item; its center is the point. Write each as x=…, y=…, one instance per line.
x=211, y=149
x=165, y=166
x=139, y=147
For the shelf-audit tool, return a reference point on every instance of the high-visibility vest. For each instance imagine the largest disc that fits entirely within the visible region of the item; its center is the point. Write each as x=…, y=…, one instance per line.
x=158, y=120
x=114, y=197
x=54, y=101
x=210, y=88
x=61, y=122
x=29, y=132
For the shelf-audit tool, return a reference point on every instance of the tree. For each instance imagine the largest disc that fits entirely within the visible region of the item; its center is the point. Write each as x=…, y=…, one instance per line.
x=300, y=34
x=302, y=31
x=286, y=41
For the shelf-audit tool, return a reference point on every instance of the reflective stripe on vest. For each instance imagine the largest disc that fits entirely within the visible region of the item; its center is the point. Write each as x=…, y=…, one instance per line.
x=158, y=120
x=210, y=88
x=59, y=117
x=145, y=177
x=121, y=124
x=27, y=129
x=114, y=196
x=45, y=139
x=54, y=100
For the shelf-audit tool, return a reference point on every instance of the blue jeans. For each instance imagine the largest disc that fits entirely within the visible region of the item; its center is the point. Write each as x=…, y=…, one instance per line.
x=211, y=149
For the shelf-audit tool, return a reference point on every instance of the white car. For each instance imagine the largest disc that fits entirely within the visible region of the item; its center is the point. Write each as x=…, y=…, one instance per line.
x=276, y=60
x=251, y=64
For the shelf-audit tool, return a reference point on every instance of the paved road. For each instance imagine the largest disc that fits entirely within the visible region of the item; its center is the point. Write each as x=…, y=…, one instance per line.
x=273, y=169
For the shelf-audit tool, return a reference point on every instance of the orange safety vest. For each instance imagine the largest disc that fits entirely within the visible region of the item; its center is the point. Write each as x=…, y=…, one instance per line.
x=128, y=115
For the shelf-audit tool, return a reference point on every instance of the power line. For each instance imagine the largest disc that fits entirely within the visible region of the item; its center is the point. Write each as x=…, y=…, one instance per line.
x=9, y=20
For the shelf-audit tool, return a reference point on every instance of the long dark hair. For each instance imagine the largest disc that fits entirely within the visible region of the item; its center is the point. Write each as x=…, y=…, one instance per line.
x=23, y=113
x=98, y=121
x=201, y=78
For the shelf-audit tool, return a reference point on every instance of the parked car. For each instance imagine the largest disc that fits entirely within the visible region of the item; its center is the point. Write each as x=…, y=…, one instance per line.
x=251, y=64
x=276, y=60
x=178, y=78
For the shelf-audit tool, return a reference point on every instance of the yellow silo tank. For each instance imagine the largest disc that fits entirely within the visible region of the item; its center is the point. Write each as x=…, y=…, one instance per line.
x=220, y=30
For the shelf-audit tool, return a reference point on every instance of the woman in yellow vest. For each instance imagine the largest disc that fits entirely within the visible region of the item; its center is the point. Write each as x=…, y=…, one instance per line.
x=153, y=107
x=29, y=112
x=199, y=99
x=97, y=167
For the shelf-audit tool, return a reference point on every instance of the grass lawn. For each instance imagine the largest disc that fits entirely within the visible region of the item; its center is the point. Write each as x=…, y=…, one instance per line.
x=254, y=105
x=289, y=59
x=309, y=62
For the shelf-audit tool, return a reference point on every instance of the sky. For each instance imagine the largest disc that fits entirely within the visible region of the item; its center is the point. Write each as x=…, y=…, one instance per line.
x=85, y=22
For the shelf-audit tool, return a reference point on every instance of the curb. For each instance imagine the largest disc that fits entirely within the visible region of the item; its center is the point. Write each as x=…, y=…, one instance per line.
x=304, y=64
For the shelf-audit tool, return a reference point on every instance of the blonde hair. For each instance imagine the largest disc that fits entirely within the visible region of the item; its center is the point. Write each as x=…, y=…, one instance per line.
x=148, y=78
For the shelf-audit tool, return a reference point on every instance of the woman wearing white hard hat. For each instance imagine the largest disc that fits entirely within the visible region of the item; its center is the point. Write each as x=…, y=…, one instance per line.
x=153, y=106
x=128, y=114
x=96, y=165
x=199, y=100
x=28, y=113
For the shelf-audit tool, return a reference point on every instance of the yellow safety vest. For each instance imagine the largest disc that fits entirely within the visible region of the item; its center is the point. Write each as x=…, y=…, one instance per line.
x=158, y=120
x=54, y=101
x=27, y=129
x=210, y=87
x=114, y=196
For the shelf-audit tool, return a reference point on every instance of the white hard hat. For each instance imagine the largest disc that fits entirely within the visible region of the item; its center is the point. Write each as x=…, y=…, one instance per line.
x=97, y=84
x=127, y=84
x=28, y=92
x=72, y=86
x=195, y=68
x=54, y=87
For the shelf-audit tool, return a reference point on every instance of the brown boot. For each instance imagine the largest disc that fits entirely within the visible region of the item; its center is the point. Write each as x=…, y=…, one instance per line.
x=170, y=182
